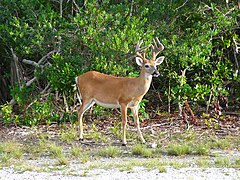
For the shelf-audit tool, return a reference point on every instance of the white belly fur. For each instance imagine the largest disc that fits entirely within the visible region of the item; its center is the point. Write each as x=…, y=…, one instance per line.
x=131, y=104
x=107, y=105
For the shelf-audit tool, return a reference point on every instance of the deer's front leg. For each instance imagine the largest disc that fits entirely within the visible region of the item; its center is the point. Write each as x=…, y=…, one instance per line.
x=136, y=121
x=124, y=123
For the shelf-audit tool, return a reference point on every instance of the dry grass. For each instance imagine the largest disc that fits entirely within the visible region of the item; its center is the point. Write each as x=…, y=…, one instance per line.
x=63, y=149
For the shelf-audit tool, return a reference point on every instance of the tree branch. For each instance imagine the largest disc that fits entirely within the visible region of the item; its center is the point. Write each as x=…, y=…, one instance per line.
x=179, y=96
x=33, y=63
x=181, y=5
x=42, y=60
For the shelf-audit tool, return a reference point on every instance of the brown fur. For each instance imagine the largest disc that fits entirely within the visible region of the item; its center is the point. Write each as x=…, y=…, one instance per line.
x=118, y=92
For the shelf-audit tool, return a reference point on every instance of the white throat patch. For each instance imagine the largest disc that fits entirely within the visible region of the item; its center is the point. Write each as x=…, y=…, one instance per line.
x=148, y=76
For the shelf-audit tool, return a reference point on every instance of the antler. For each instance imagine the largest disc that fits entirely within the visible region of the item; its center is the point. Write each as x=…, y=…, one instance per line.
x=156, y=48
x=138, y=49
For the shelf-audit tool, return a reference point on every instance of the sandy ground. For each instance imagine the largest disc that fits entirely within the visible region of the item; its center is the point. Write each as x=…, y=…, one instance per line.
x=137, y=173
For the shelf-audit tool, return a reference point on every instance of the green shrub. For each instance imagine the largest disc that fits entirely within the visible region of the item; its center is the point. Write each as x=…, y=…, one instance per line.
x=6, y=110
x=179, y=149
x=141, y=150
x=110, y=151
x=199, y=38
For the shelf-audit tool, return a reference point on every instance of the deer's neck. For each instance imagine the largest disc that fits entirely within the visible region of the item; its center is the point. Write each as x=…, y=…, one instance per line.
x=145, y=80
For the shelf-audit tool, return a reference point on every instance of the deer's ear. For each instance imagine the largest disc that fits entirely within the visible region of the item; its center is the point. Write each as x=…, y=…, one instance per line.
x=159, y=60
x=139, y=61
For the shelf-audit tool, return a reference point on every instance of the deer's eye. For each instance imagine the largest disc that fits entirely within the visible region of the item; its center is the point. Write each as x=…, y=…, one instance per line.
x=146, y=66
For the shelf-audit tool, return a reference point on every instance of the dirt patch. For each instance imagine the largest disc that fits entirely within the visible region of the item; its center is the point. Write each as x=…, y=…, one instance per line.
x=162, y=130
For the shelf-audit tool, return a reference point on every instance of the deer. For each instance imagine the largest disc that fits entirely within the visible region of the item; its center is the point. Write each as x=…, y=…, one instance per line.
x=119, y=92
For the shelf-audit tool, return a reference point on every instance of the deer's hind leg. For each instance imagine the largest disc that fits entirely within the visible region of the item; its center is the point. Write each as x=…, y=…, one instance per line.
x=84, y=107
x=124, y=123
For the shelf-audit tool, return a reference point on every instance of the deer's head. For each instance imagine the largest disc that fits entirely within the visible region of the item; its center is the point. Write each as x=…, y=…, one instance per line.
x=150, y=65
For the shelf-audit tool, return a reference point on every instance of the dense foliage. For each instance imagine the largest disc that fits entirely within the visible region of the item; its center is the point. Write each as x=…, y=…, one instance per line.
x=200, y=39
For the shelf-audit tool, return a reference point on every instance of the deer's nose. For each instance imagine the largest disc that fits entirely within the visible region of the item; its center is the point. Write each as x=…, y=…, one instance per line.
x=156, y=73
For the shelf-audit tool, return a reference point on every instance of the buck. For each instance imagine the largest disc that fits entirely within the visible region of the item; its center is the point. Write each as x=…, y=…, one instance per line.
x=119, y=92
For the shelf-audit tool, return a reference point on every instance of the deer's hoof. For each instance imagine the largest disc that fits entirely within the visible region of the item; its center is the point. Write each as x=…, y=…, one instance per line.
x=81, y=139
x=124, y=144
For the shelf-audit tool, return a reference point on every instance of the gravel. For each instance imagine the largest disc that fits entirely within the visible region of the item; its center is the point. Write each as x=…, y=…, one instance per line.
x=137, y=173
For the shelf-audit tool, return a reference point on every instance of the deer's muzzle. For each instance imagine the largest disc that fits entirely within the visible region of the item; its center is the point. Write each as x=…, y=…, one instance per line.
x=156, y=73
